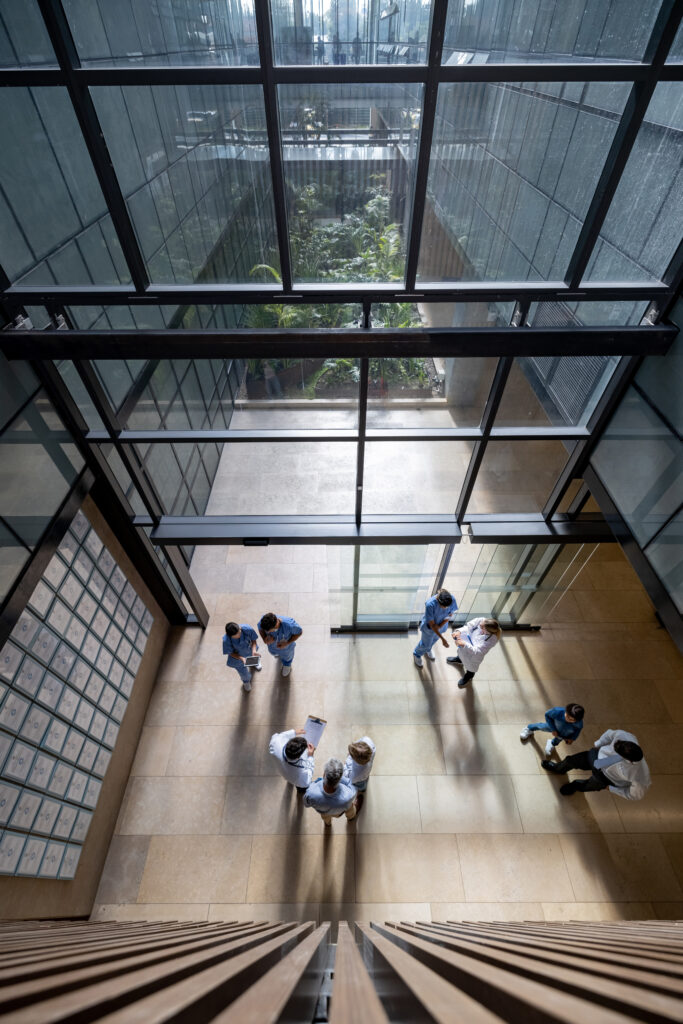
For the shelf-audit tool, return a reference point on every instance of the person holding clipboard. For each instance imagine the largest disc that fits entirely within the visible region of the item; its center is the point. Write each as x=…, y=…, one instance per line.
x=474, y=640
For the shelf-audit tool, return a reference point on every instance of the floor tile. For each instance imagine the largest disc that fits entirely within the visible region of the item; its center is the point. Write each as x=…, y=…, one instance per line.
x=405, y=749
x=543, y=808
x=668, y=911
x=123, y=869
x=149, y=912
x=620, y=868
x=660, y=810
x=488, y=749
x=468, y=803
x=391, y=805
x=201, y=868
x=399, y=868
x=487, y=912
x=598, y=911
x=174, y=806
x=263, y=912
x=307, y=869
x=513, y=868
x=154, y=748
x=673, y=844
x=265, y=805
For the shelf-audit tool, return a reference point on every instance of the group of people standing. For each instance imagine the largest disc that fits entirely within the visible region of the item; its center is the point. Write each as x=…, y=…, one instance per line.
x=240, y=643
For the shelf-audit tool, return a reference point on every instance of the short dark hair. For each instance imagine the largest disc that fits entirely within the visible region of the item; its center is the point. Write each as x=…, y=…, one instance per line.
x=444, y=597
x=631, y=751
x=576, y=711
x=268, y=621
x=231, y=628
x=295, y=747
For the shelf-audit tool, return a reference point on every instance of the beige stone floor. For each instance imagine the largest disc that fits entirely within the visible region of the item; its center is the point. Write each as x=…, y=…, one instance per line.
x=460, y=821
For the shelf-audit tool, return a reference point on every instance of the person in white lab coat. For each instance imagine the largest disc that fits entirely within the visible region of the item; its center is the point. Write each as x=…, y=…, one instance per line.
x=474, y=640
x=293, y=756
x=616, y=763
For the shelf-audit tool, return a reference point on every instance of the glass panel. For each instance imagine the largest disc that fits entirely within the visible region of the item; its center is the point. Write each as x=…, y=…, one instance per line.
x=512, y=173
x=23, y=36
x=666, y=556
x=380, y=585
x=438, y=392
x=518, y=476
x=350, y=32
x=17, y=382
x=645, y=220
x=193, y=164
x=349, y=155
x=13, y=556
x=589, y=314
x=660, y=378
x=569, y=495
x=313, y=394
x=556, y=391
x=51, y=195
x=640, y=462
x=69, y=375
x=488, y=32
x=171, y=32
x=676, y=51
x=414, y=476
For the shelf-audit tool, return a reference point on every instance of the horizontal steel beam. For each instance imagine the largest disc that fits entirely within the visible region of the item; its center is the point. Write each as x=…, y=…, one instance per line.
x=561, y=531
x=349, y=343
x=310, y=436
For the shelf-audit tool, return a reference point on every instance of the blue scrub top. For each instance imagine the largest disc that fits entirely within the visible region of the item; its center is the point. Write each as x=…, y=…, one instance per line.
x=241, y=644
x=285, y=631
x=435, y=612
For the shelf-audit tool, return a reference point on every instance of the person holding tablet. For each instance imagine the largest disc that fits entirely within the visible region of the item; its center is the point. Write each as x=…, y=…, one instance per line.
x=240, y=643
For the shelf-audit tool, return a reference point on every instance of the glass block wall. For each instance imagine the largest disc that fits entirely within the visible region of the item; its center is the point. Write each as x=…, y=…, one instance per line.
x=66, y=676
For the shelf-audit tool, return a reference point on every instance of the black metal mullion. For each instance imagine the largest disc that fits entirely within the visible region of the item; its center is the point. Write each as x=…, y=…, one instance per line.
x=63, y=44
x=579, y=500
x=564, y=479
x=673, y=278
x=362, y=426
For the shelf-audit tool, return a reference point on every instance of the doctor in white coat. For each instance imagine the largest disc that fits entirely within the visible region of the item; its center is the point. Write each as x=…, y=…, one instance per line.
x=474, y=640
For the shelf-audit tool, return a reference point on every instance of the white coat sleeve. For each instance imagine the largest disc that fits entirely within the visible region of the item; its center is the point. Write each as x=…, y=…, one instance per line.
x=605, y=739
x=634, y=791
x=278, y=740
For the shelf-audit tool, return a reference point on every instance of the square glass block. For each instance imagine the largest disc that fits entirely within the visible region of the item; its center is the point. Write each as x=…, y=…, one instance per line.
x=88, y=755
x=55, y=572
x=112, y=637
x=104, y=660
x=18, y=764
x=47, y=816
x=52, y=859
x=10, y=659
x=134, y=662
x=73, y=746
x=68, y=548
x=147, y=621
x=93, y=544
x=94, y=687
x=83, y=716
x=132, y=629
x=100, y=623
x=56, y=735
x=127, y=684
x=107, y=698
x=98, y=725
x=92, y=793
x=59, y=617
x=75, y=632
x=110, y=734
x=81, y=827
x=41, y=599
x=41, y=771
x=141, y=641
x=61, y=777
x=14, y=711
x=70, y=860
x=68, y=703
x=109, y=601
x=128, y=595
x=5, y=744
x=31, y=856
x=125, y=650
x=26, y=628
x=106, y=563
x=29, y=677
x=97, y=584
x=11, y=846
x=121, y=615
x=8, y=798
x=91, y=647
x=80, y=525
x=83, y=565
x=50, y=691
x=63, y=660
x=65, y=821
x=80, y=675
x=26, y=810
x=116, y=673
x=139, y=608
x=35, y=725
x=71, y=590
x=45, y=645
x=118, y=580
x=77, y=787
x=86, y=608
x=102, y=762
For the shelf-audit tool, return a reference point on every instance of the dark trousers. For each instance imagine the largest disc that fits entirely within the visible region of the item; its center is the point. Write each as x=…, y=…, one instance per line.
x=585, y=760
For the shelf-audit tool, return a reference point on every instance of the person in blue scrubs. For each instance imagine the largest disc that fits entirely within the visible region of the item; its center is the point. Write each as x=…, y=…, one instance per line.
x=280, y=635
x=239, y=643
x=438, y=610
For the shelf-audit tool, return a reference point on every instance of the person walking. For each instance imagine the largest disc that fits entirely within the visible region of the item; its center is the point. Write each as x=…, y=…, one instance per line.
x=616, y=762
x=293, y=756
x=240, y=643
x=438, y=610
x=565, y=723
x=474, y=640
x=330, y=796
x=358, y=766
x=280, y=636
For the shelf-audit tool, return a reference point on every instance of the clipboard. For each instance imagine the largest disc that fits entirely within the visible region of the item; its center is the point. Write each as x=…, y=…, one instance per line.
x=314, y=729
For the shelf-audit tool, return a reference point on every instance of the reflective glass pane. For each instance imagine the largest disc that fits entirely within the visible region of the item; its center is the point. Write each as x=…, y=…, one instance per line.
x=589, y=314
x=349, y=155
x=313, y=394
x=512, y=172
x=53, y=218
x=645, y=220
x=23, y=37
x=676, y=51
x=350, y=31
x=558, y=391
x=494, y=32
x=666, y=555
x=518, y=476
x=414, y=476
x=172, y=32
x=441, y=392
x=660, y=378
x=193, y=164
x=13, y=556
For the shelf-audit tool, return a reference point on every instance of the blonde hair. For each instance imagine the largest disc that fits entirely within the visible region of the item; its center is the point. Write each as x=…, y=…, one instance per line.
x=360, y=751
x=492, y=626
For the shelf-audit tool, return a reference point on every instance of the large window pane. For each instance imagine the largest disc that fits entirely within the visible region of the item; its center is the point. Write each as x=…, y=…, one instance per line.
x=588, y=314
x=23, y=37
x=193, y=164
x=666, y=555
x=557, y=391
x=13, y=556
x=512, y=173
x=491, y=32
x=349, y=154
x=414, y=477
x=645, y=220
x=165, y=32
x=517, y=476
x=439, y=392
x=298, y=394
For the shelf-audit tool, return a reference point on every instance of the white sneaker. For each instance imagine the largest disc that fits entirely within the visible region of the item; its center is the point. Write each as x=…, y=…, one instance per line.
x=432, y=657
x=525, y=733
x=418, y=661
x=549, y=747
x=258, y=666
x=246, y=687
x=286, y=669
